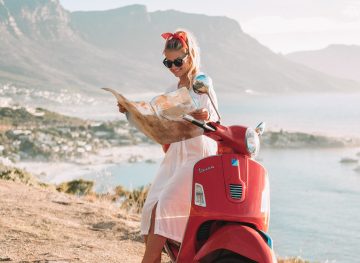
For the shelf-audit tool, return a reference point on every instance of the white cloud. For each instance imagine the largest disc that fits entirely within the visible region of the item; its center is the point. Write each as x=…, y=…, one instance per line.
x=351, y=10
x=276, y=25
x=287, y=35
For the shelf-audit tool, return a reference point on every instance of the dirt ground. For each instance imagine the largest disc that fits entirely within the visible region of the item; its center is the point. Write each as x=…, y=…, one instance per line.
x=42, y=225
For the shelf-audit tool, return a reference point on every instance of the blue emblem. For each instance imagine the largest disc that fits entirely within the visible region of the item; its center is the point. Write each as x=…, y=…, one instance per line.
x=234, y=162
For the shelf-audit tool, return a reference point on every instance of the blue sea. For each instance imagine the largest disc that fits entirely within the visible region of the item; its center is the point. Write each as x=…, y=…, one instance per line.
x=333, y=114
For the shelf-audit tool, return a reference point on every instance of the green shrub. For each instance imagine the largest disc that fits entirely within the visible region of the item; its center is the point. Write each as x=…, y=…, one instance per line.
x=17, y=175
x=132, y=200
x=77, y=187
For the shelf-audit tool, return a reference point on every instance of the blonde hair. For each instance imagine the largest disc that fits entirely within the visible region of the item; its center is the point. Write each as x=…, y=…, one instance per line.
x=193, y=52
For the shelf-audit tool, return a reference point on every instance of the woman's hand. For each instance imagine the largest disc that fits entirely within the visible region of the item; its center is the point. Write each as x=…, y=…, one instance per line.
x=121, y=108
x=201, y=114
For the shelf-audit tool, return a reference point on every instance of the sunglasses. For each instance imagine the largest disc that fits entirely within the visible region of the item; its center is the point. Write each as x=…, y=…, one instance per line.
x=177, y=62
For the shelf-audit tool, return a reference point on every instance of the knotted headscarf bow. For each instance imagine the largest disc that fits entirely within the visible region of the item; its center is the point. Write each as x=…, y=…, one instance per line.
x=180, y=35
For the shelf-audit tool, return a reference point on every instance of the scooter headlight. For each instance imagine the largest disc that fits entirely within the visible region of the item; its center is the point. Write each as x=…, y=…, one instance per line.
x=252, y=142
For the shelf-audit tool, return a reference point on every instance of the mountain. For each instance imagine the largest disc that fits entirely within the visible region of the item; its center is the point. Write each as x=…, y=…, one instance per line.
x=35, y=19
x=235, y=60
x=37, y=43
x=338, y=60
x=45, y=47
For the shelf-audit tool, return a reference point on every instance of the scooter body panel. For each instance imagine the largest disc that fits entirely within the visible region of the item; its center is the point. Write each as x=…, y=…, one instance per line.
x=235, y=190
x=239, y=239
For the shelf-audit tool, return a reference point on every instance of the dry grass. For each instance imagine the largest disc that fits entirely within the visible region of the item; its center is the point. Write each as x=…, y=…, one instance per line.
x=42, y=225
x=132, y=201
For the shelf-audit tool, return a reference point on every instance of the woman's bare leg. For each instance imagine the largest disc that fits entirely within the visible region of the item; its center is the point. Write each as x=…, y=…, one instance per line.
x=154, y=243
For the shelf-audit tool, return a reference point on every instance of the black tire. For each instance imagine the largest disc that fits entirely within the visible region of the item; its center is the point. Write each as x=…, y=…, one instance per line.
x=231, y=259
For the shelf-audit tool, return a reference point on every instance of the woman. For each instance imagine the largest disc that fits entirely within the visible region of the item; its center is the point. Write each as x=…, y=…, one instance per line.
x=166, y=209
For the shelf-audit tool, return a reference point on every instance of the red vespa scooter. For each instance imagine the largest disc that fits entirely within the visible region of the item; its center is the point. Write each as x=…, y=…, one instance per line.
x=230, y=204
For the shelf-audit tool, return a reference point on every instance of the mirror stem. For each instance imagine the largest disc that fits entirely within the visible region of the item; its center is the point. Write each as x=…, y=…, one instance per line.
x=212, y=103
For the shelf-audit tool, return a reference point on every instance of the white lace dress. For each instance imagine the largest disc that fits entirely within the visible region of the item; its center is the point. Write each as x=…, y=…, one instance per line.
x=171, y=188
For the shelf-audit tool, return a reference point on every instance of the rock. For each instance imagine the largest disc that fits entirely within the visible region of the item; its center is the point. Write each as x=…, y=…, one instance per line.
x=135, y=158
x=61, y=202
x=348, y=160
x=103, y=225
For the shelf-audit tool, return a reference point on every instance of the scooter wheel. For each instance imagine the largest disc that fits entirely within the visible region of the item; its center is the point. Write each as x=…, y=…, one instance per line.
x=232, y=259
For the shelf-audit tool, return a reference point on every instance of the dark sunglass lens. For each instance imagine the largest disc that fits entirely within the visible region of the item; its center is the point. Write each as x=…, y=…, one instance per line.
x=178, y=62
x=167, y=63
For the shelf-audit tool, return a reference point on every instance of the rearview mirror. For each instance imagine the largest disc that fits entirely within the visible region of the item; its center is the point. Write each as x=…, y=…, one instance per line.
x=201, y=85
x=260, y=128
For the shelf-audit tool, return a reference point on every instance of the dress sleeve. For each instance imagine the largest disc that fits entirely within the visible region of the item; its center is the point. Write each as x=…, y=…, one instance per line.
x=170, y=89
x=204, y=101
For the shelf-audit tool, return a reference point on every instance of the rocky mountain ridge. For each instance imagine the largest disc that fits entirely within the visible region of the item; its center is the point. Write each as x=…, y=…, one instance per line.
x=337, y=60
x=44, y=46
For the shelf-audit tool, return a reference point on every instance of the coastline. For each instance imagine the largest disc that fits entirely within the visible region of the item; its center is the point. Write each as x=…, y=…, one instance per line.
x=57, y=172
x=98, y=163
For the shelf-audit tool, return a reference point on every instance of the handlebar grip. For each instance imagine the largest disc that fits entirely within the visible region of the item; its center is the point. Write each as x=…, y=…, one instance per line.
x=193, y=120
x=198, y=123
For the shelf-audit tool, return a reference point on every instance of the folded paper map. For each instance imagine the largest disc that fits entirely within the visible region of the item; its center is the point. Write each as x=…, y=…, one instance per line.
x=161, y=118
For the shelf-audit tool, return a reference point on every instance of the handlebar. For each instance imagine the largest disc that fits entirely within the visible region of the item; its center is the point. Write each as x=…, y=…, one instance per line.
x=198, y=123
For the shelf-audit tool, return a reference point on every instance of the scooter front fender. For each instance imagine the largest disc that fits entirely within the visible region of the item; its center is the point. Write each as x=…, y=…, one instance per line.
x=241, y=240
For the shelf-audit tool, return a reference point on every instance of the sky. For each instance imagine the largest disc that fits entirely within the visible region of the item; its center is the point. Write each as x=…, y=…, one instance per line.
x=282, y=25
